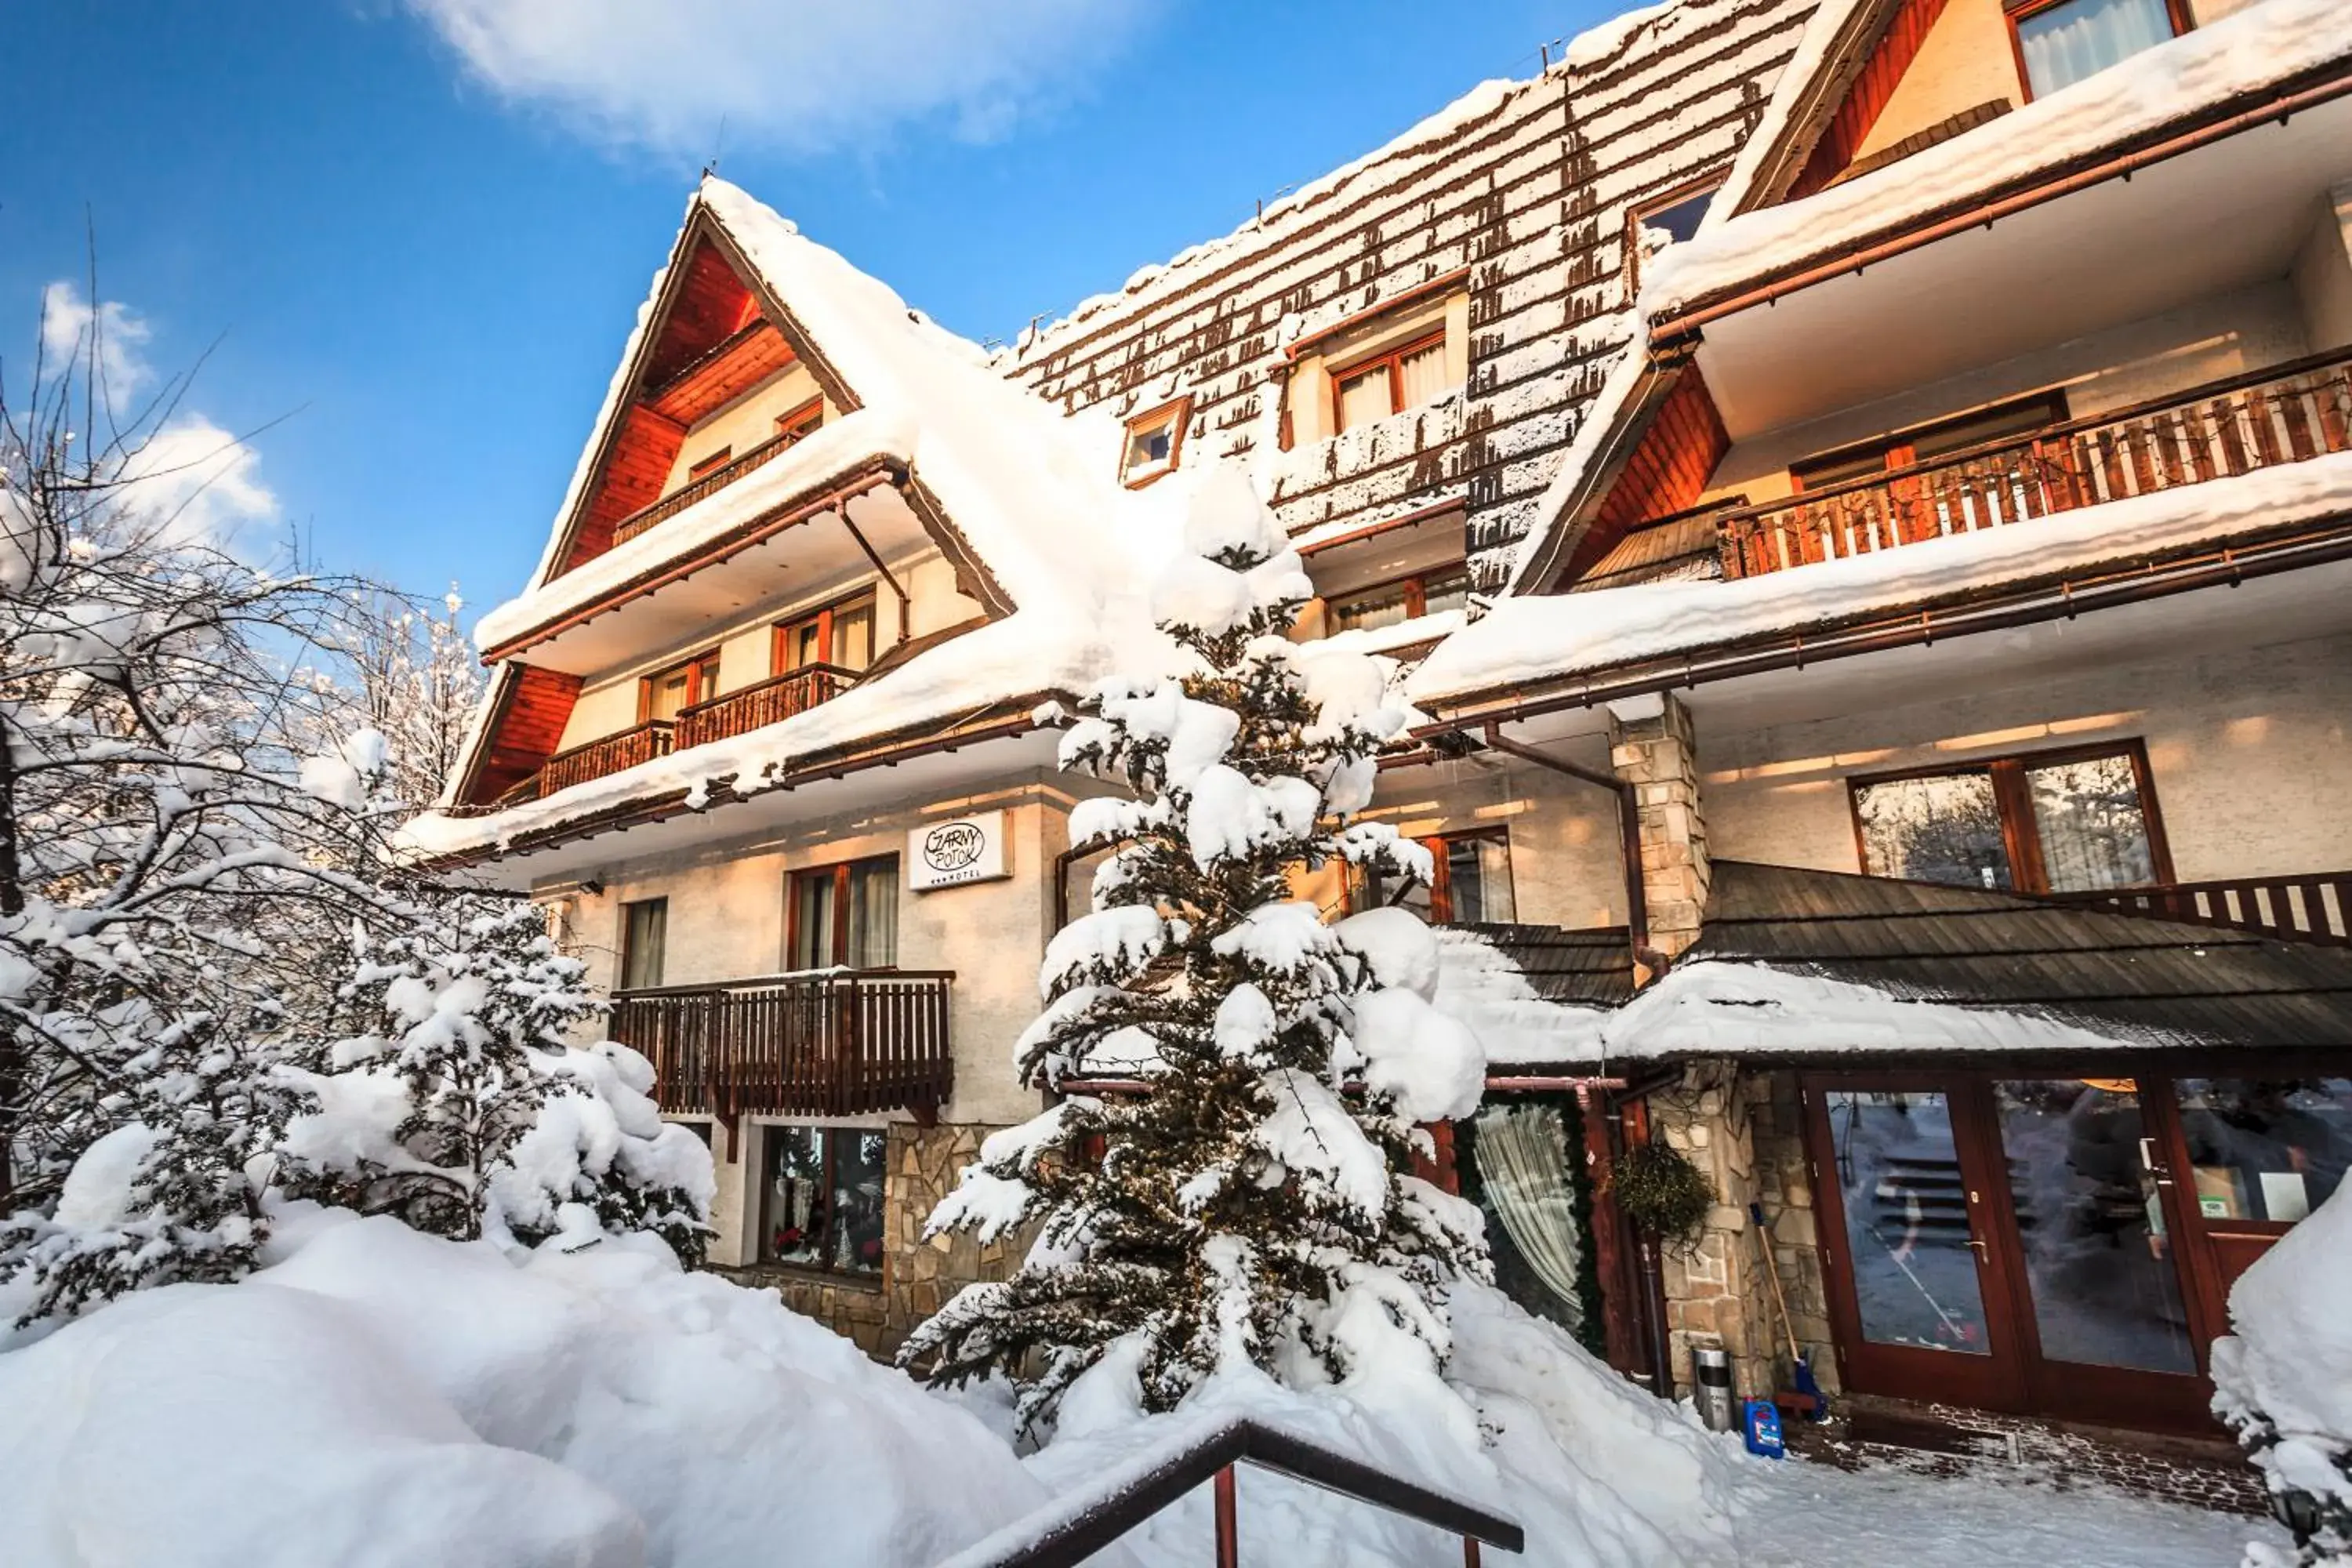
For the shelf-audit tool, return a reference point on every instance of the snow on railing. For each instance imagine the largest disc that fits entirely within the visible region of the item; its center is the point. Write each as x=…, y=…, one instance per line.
x=2283, y=414
x=1078, y=1524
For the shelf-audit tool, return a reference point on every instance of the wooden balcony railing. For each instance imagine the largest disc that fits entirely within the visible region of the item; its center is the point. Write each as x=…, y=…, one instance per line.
x=2313, y=908
x=771, y=702
x=609, y=755
x=828, y=1043
x=684, y=496
x=2283, y=414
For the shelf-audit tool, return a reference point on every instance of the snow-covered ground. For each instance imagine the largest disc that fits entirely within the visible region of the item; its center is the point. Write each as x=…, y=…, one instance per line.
x=380, y=1396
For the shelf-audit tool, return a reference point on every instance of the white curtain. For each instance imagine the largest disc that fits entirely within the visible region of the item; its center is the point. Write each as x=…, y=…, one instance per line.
x=1522, y=1152
x=2066, y=43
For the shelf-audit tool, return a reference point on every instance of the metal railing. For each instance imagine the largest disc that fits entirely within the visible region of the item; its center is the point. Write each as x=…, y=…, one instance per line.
x=2315, y=907
x=1078, y=1524
x=2281, y=415
x=825, y=1043
x=641, y=744
x=776, y=699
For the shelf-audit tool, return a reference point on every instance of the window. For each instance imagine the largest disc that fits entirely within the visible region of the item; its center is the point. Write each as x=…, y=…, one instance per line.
x=1677, y=214
x=2270, y=1150
x=844, y=916
x=705, y=466
x=1925, y=444
x=644, y=931
x=2060, y=42
x=680, y=686
x=821, y=1198
x=1428, y=592
x=2056, y=822
x=1471, y=880
x=801, y=422
x=1155, y=442
x=1389, y=382
x=841, y=636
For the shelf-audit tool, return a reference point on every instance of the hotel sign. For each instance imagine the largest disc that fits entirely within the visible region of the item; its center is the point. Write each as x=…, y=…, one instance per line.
x=958, y=850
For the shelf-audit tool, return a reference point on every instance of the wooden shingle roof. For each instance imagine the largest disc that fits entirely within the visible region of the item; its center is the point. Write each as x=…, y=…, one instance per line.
x=2156, y=980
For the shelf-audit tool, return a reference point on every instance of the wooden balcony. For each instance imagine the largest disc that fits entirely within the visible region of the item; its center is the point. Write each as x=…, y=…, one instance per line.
x=684, y=496
x=831, y=1043
x=2284, y=415
x=2315, y=908
x=770, y=702
x=609, y=755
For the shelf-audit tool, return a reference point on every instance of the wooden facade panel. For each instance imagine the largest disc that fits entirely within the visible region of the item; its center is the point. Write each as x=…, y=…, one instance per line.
x=723, y=377
x=1868, y=96
x=524, y=730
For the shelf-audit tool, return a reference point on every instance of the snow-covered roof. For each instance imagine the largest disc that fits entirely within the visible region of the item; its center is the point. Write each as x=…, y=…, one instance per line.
x=1535, y=638
x=2256, y=48
x=1018, y=481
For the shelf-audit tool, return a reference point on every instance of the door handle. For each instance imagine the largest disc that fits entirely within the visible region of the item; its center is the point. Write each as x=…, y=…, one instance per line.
x=1981, y=1252
x=2151, y=1164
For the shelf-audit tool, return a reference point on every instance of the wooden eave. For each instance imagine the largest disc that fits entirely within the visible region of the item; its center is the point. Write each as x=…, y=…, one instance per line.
x=1818, y=104
x=1629, y=426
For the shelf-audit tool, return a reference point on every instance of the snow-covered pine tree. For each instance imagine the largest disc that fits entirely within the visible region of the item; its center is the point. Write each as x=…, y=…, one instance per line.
x=463, y=1106
x=1254, y=1206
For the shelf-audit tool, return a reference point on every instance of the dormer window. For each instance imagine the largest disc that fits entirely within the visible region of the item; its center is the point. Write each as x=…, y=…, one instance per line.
x=1154, y=442
x=1677, y=214
x=802, y=422
x=2060, y=42
x=1390, y=381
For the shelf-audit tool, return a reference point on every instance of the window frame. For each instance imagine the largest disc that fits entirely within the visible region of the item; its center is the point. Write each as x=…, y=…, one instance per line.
x=1177, y=411
x=839, y=872
x=628, y=942
x=1899, y=449
x=1416, y=586
x=1705, y=185
x=799, y=424
x=2015, y=11
x=709, y=463
x=779, y=634
x=2020, y=837
x=702, y=683
x=1393, y=357
x=829, y=1135
x=1441, y=876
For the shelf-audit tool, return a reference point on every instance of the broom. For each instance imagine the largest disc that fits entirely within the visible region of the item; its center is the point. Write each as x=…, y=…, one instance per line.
x=1810, y=1399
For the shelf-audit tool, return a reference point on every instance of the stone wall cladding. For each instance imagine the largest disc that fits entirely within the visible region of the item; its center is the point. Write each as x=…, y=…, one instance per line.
x=918, y=1276
x=1745, y=1132
x=1658, y=755
x=1528, y=190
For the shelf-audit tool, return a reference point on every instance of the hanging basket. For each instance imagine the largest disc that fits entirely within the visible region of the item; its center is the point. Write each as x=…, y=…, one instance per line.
x=1662, y=1192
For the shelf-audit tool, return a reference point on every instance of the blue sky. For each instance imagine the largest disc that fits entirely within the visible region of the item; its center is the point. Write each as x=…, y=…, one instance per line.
x=421, y=228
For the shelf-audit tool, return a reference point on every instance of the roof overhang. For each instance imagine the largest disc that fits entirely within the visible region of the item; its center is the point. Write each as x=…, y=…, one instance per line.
x=2213, y=202
x=2280, y=588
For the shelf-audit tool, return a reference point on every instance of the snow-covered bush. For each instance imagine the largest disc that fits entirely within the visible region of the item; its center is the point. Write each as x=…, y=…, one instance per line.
x=1253, y=1208
x=463, y=1106
x=2284, y=1383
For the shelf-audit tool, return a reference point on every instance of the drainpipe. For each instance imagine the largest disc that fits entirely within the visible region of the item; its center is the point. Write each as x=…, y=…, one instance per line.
x=906, y=614
x=1629, y=836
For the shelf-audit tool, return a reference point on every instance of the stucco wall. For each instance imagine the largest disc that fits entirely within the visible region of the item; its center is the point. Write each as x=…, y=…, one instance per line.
x=2323, y=272
x=1965, y=61
x=1566, y=867
x=2204, y=340
x=746, y=422
x=2248, y=749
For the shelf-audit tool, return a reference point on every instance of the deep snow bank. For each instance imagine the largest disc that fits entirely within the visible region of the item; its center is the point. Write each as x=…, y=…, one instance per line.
x=380, y=1397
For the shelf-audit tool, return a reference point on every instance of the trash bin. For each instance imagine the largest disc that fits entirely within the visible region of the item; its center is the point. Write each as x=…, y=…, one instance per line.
x=1712, y=1369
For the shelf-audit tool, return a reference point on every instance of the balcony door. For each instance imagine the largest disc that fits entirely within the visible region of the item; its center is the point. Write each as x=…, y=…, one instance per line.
x=666, y=694
x=2013, y=1243
x=840, y=635
x=844, y=916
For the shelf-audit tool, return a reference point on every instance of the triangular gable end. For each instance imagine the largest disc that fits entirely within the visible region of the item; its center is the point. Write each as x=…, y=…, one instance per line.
x=714, y=332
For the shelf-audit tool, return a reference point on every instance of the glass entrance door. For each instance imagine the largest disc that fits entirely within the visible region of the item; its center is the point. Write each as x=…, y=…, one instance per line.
x=2008, y=1242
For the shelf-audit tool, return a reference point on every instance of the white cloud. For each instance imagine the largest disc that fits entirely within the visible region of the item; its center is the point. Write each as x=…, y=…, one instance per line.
x=186, y=475
x=803, y=75
x=198, y=482
x=67, y=323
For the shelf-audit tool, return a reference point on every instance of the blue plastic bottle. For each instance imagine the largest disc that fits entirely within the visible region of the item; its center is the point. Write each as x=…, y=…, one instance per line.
x=1763, y=1430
